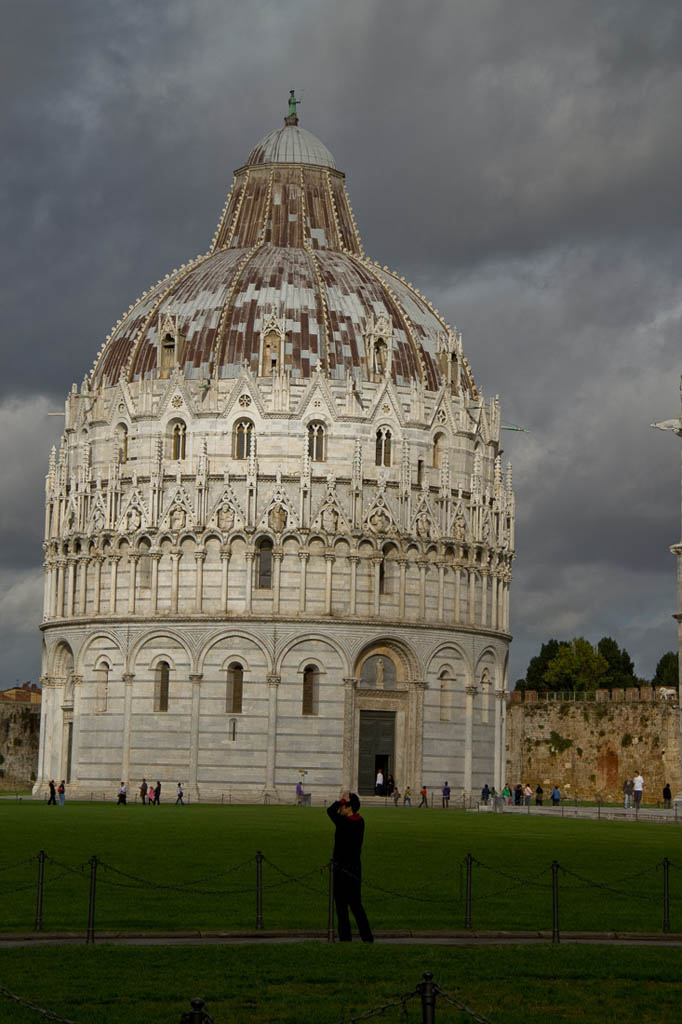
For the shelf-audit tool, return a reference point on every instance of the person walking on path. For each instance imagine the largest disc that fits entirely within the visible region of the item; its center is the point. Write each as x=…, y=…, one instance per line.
x=407, y=797
x=143, y=791
x=348, y=836
x=538, y=795
x=485, y=794
x=424, y=796
x=638, y=783
x=157, y=793
x=506, y=794
x=556, y=796
x=446, y=795
x=299, y=793
x=61, y=790
x=122, y=794
x=181, y=793
x=53, y=793
x=527, y=794
x=667, y=796
x=628, y=788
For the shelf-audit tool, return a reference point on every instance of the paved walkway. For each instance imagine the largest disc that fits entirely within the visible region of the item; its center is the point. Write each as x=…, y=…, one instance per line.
x=449, y=938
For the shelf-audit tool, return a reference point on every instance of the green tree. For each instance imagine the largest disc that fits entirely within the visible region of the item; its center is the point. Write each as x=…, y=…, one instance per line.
x=576, y=666
x=666, y=673
x=535, y=673
x=621, y=666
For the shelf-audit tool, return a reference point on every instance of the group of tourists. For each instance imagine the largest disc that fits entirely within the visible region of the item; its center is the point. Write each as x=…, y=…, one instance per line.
x=522, y=796
x=57, y=791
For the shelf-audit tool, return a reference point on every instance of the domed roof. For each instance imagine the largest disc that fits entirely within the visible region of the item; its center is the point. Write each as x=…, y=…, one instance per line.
x=286, y=247
x=291, y=145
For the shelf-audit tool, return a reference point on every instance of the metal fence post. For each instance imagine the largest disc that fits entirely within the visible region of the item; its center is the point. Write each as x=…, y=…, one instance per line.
x=467, y=903
x=555, y=901
x=330, y=917
x=259, y=891
x=39, y=900
x=427, y=991
x=666, y=895
x=90, y=937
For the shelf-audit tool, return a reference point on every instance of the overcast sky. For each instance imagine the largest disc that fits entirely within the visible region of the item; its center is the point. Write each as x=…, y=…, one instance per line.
x=518, y=160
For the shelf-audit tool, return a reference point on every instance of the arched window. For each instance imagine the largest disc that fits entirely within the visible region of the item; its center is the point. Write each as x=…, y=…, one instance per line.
x=161, y=686
x=380, y=357
x=438, y=450
x=179, y=439
x=309, y=702
x=383, y=447
x=316, y=442
x=264, y=564
x=235, y=689
x=167, y=355
x=122, y=441
x=420, y=472
x=102, y=695
x=242, y=439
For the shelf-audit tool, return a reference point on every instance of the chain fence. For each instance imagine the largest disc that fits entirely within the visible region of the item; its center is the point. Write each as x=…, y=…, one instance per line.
x=463, y=886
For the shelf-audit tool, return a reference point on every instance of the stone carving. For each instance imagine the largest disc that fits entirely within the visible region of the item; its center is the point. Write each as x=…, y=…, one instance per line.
x=225, y=517
x=423, y=527
x=98, y=519
x=330, y=519
x=379, y=520
x=459, y=528
x=134, y=520
x=178, y=518
x=277, y=518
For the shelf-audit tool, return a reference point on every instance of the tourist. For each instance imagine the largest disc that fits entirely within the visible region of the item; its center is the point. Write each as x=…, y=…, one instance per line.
x=61, y=790
x=539, y=792
x=556, y=796
x=446, y=795
x=349, y=834
x=122, y=794
x=527, y=794
x=424, y=796
x=518, y=794
x=143, y=792
x=407, y=798
x=485, y=794
x=506, y=794
x=667, y=796
x=157, y=793
x=628, y=788
x=379, y=784
x=180, y=793
x=299, y=793
x=53, y=793
x=390, y=785
x=396, y=795
x=638, y=784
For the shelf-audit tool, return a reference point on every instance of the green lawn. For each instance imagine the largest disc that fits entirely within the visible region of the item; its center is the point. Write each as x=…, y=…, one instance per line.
x=412, y=868
x=319, y=984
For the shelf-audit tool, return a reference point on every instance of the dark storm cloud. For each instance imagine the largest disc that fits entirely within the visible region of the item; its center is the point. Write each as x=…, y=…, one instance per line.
x=519, y=162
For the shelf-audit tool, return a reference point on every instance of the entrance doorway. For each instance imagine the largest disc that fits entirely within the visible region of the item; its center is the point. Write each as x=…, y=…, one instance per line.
x=377, y=748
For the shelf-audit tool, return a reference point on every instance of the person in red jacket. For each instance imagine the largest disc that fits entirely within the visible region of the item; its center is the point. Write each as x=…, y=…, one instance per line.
x=350, y=832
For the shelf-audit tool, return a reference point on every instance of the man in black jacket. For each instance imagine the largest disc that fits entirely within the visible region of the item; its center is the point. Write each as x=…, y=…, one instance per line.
x=350, y=831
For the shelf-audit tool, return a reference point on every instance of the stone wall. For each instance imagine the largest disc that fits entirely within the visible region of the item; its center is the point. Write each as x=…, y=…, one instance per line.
x=589, y=747
x=19, y=736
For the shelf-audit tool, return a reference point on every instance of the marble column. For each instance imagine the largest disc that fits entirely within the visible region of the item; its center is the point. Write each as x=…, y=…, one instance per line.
x=156, y=559
x=422, y=564
x=97, y=592
x=195, y=681
x=277, y=556
x=500, y=709
x=402, y=563
x=417, y=687
x=199, y=558
x=441, y=590
x=494, y=602
x=271, y=755
x=114, y=560
x=83, y=589
x=458, y=592
x=176, y=555
x=353, y=559
x=225, y=555
x=348, y=780
x=376, y=580
x=471, y=600
x=248, y=590
x=484, y=597
x=303, y=557
x=127, y=716
x=70, y=585
x=470, y=692
x=133, y=559
x=329, y=558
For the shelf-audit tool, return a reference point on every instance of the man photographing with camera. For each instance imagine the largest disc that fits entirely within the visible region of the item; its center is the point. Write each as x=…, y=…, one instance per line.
x=350, y=831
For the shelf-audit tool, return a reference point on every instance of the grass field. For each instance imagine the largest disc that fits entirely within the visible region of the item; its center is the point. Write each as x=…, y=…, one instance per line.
x=412, y=869
x=319, y=984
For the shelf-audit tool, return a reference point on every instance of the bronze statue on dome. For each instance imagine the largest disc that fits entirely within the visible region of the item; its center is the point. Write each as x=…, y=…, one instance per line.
x=292, y=116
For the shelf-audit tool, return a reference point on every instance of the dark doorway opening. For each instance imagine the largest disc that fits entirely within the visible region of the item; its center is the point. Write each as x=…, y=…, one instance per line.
x=377, y=749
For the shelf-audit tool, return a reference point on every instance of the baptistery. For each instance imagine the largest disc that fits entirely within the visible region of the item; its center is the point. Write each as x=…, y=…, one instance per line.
x=278, y=534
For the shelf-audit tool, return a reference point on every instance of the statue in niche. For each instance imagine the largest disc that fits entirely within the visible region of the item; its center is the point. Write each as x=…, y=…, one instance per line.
x=225, y=517
x=134, y=520
x=423, y=528
x=379, y=521
x=98, y=519
x=178, y=518
x=330, y=520
x=460, y=526
x=277, y=518
x=379, y=680
x=486, y=529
